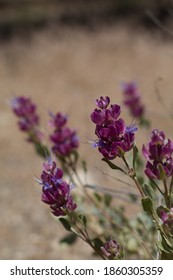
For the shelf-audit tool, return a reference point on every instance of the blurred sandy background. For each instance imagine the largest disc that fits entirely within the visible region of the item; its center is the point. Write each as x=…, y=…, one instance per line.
x=65, y=67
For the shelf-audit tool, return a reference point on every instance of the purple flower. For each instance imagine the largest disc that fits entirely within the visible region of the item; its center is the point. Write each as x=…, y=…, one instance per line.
x=64, y=139
x=132, y=99
x=159, y=153
x=58, y=120
x=98, y=116
x=56, y=191
x=167, y=219
x=114, y=137
x=111, y=249
x=25, y=110
x=103, y=102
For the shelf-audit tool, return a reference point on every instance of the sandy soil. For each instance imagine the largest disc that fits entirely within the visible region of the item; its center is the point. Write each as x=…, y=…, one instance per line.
x=66, y=70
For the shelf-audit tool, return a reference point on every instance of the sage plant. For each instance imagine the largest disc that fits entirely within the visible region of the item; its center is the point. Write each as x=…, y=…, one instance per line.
x=93, y=215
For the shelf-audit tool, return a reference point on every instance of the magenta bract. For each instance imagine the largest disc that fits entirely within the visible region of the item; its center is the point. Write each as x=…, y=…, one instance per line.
x=55, y=191
x=111, y=249
x=64, y=139
x=167, y=219
x=114, y=138
x=26, y=111
x=132, y=99
x=158, y=151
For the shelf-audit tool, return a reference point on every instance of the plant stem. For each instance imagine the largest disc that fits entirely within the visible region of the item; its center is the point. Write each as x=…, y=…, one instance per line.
x=84, y=236
x=171, y=185
x=132, y=175
x=167, y=194
x=143, y=244
x=138, y=186
x=165, y=186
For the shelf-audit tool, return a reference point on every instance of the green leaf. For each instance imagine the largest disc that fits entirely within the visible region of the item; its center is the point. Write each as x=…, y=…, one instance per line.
x=42, y=150
x=145, y=123
x=83, y=219
x=69, y=239
x=139, y=162
x=75, y=156
x=113, y=166
x=166, y=256
x=97, y=243
x=135, y=156
x=167, y=244
x=140, y=179
x=133, y=197
x=153, y=184
x=165, y=249
x=148, y=190
x=65, y=223
x=171, y=199
x=97, y=197
x=107, y=199
x=147, y=205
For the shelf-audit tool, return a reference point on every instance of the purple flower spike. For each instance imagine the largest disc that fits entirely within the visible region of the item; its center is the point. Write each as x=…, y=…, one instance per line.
x=132, y=99
x=167, y=219
x=158, y=151
x=25, y=110
x=55, y=191
x=111, y=249
x=64, y=139
x=114, y=138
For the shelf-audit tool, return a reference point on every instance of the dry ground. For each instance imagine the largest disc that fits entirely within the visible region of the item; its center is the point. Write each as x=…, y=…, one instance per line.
x=66, y=70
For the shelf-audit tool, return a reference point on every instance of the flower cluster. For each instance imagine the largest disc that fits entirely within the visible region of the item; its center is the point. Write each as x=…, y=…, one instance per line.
x=167, y=219
x=111, y=249
x=28, y=117
x=114, y=137
x=132, y=99
x=56, y=191
x=158, y=152
x=64, y=139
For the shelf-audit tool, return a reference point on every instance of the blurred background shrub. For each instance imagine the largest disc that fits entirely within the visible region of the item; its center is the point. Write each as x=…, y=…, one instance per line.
x=21, y=15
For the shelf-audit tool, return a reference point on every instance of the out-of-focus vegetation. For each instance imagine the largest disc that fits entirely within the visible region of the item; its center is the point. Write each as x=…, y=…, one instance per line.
x=27, y=14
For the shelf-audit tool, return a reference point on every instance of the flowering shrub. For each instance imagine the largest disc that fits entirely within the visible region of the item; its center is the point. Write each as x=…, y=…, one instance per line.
x=93, y=215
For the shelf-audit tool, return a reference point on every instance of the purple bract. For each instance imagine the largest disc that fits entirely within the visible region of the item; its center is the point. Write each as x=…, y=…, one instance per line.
x=25, y=110
x=114, y=137
x=158, y=152
x=167, y=219
x=132, y=99
x=56, y=191
x=64, y=139
x=111, y=249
